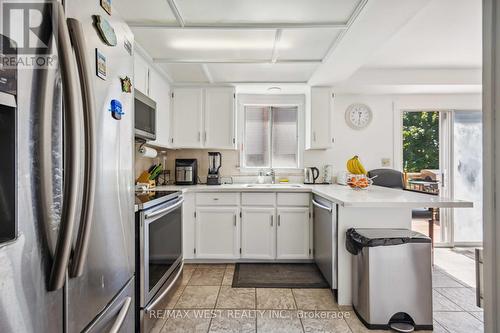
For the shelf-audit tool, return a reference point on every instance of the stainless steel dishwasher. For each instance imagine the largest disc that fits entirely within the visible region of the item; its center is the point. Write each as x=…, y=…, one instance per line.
x=325, y=238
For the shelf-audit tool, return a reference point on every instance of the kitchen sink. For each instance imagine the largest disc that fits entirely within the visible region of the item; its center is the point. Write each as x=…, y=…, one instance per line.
x=273, y=185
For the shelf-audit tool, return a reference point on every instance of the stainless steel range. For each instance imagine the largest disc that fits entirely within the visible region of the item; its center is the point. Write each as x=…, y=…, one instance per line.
x=158, y=251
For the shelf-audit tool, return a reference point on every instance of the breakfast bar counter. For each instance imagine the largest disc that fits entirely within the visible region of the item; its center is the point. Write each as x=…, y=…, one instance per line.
x=374, y=207
x=372, y=197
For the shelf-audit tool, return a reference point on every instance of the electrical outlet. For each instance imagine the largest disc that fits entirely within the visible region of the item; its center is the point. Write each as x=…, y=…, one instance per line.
x=386, y=162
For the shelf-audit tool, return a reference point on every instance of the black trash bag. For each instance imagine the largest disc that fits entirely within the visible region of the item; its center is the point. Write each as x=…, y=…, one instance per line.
x=357, y=239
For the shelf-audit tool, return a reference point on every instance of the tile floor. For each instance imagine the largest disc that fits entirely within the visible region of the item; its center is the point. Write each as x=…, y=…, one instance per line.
x=461, y=267
x=205, y=302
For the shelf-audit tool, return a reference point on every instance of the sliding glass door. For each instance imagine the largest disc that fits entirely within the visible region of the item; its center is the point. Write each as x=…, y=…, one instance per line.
x=467, y=181
x=442, y=155
x=424, y=168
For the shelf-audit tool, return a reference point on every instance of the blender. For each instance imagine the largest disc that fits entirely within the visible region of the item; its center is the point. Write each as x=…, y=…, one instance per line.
x=214, y=164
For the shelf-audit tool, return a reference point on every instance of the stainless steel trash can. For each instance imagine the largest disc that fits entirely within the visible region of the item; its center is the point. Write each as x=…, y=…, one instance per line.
x=392, y=278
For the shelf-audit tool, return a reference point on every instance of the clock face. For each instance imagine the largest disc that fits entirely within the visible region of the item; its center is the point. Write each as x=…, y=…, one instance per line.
x=358, y=116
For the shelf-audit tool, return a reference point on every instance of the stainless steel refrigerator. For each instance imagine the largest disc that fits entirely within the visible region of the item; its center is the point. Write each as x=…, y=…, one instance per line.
x=66, y=186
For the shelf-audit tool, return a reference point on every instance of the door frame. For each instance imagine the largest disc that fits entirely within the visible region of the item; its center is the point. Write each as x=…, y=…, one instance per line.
x=491, y=164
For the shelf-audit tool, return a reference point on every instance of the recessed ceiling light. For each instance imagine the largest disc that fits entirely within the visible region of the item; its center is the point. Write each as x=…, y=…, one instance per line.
x=224, y=44
x=274, y=89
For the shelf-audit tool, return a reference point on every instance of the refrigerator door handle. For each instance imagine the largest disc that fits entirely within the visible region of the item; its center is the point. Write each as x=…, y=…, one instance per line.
x=87, y=90
x=121, y=316
x=72, y=154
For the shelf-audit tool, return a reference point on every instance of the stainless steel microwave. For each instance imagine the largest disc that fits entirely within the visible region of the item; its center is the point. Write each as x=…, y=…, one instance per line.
x=145, y=117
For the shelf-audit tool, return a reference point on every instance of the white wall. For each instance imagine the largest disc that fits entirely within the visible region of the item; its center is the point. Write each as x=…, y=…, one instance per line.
x=377, y=140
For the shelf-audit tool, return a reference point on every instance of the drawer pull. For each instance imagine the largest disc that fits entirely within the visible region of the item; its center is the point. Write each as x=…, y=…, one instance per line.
x=216, y=199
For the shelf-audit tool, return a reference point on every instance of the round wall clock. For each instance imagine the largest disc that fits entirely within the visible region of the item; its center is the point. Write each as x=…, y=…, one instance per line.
x=358, y=115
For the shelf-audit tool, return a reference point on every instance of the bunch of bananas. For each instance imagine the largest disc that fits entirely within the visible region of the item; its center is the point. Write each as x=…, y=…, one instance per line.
x=354, y=166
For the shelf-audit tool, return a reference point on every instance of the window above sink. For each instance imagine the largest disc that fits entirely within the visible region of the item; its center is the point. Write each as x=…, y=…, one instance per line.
x=271, y=132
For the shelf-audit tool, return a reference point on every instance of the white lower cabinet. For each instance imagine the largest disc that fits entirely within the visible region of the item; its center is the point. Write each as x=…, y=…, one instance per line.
x=293, y=232
x=258, y=233
x=217, y=232
x=247, y=226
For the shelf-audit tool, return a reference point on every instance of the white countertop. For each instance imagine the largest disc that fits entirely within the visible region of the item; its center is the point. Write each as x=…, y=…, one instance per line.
x=373, y=197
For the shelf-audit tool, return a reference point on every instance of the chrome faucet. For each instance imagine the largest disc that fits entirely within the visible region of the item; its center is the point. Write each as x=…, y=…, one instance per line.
x=272, y=174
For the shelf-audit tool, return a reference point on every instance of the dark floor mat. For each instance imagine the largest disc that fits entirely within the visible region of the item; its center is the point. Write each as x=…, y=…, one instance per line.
x=268, y=275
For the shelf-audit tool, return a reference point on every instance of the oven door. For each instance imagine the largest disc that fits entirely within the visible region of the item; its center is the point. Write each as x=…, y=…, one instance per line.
x=161, y=248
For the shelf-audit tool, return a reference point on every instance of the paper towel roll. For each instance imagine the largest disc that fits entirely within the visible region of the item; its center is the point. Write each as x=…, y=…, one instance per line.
x=148, y=152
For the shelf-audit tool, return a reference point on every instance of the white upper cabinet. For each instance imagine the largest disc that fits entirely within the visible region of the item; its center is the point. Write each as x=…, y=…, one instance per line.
x=159, y=91
x=186, y=121
x=141, y=74
x=150, y=81
x=320, y=123
x=203, y=118
x=219, y=130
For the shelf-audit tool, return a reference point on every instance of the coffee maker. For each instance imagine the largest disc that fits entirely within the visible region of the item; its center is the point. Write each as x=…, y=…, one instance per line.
x=214, y=164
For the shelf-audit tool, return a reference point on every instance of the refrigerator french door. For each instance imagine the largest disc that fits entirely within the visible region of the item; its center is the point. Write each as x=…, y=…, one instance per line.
x=110, y=260
x=70, y=265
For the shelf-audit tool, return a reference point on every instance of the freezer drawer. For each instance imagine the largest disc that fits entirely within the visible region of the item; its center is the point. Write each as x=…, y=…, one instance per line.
x=119, y=315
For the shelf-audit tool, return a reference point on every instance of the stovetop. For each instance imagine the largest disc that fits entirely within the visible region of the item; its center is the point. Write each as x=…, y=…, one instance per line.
x=148, y=199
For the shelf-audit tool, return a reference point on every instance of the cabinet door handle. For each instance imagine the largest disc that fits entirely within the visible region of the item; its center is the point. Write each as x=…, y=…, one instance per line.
x=314, y=136
x=205, y=137
x=235, y=220
x=199, y=136
x=272, y=221
x=279, y=220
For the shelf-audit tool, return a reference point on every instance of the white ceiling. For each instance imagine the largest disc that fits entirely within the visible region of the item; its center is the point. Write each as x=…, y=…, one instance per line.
x=444, y=34
x=313, y=41
x=150, y=11
x=220, y=41
x=185, y=72
x=195, y=44
x=262, y=11
x=261, y=72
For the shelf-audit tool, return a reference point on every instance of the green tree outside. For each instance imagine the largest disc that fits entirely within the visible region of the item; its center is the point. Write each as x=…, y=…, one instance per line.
x=420, y=141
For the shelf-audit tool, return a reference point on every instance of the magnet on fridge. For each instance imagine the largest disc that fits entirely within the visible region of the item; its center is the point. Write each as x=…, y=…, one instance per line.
x=105, y=30
x=100, y=64
x=128, y=46
x=126, y=84
x=106, y=5
x=116, y=109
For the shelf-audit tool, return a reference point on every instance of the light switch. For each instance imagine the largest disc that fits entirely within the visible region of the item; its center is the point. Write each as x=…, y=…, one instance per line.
x=386, y=162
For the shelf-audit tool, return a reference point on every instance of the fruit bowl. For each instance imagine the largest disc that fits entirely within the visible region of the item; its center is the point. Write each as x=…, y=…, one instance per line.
x=359, y=182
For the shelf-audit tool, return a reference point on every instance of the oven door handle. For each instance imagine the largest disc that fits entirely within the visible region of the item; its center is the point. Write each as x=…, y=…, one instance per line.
x=164, y=210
